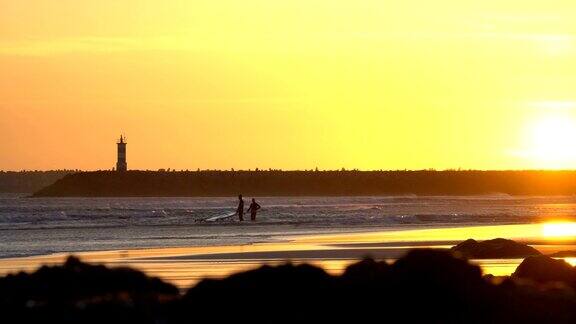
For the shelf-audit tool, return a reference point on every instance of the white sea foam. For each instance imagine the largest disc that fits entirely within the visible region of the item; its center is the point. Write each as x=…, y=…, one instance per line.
x=34, y=226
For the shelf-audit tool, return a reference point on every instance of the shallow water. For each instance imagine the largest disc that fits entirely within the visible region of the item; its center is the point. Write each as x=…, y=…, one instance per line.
x=52, y=225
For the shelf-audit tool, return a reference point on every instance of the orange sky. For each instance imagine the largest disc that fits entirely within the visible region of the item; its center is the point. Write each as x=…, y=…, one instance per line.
x=288, y=84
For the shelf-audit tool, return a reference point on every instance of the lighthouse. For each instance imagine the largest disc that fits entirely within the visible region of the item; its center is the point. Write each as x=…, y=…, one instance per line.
x=121, y=165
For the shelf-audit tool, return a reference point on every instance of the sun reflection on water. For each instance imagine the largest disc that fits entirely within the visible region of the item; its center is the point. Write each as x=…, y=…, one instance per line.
x=571, y=261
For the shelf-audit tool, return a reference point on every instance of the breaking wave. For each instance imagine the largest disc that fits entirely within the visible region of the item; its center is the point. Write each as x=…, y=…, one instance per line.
x=33, y=226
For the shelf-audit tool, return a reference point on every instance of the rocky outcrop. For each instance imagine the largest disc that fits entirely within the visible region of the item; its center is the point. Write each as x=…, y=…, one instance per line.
x=563, y=254
x=493, y=249
x=546, y=269
x=78, y=281
x=424, y=286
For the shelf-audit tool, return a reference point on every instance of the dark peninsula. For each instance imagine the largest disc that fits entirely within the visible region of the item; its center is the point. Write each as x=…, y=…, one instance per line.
x=309, y=183
x=29, y=181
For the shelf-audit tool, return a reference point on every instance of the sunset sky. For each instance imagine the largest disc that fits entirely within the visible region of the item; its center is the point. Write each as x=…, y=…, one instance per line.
x=296, y=84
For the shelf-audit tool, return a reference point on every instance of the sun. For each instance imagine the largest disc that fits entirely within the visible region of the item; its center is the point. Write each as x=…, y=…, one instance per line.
x=553, y=142
x=559, y=230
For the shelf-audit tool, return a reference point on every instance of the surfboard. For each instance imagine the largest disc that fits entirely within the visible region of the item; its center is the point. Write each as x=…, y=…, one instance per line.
x=220, y=217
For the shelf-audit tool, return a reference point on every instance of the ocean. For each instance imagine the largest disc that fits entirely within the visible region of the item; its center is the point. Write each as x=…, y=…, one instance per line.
x=36, y=226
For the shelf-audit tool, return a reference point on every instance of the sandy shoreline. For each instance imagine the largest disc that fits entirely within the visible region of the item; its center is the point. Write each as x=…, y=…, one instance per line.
x=184, y=266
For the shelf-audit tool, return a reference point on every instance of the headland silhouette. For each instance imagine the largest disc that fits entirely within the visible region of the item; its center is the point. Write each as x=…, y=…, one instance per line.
x=309, y=183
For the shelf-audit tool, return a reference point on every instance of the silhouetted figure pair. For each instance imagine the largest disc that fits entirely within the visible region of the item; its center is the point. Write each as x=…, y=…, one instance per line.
x=253, y=209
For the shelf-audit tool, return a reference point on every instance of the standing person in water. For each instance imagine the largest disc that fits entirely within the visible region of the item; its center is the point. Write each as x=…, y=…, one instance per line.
x=254, y=207
x=240, y=210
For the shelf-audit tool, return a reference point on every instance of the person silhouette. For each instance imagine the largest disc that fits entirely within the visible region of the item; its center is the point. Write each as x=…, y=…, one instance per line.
x=240, y=210
x=254, y=207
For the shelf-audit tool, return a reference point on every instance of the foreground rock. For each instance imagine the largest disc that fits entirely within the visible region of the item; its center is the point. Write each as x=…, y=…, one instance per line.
x=563, y=254
x=494, y=249
x=76, y=280
x=77, y=292
x=425, y=286
x=544, y=269
x=442, y=288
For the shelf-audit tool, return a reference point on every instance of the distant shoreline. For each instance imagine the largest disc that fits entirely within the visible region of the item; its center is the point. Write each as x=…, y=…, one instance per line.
x=311, y=183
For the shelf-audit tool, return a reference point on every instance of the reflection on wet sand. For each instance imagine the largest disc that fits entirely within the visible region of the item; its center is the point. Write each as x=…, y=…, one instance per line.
x=185, y=266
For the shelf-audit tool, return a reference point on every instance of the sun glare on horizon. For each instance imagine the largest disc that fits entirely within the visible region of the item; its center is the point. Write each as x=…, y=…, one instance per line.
x=559, y=230
x=552, y=141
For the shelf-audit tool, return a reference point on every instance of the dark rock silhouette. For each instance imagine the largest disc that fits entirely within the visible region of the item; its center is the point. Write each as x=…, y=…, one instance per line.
x=546, y=269
x=77, y=280
x=366, y=272
x=445, y=288
x=80, y=292
x=563, y=254
x=270, y=291
x=425, y=286
x=493, y=249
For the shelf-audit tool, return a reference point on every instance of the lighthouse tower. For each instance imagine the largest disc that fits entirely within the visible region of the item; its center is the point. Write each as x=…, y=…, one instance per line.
x=121, y=165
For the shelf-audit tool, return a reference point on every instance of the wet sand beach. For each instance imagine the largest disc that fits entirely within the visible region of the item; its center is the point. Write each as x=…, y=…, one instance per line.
x=185, y=266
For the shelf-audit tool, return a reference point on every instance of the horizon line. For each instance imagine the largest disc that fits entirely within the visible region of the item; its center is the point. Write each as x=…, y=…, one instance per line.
x=290, y=170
